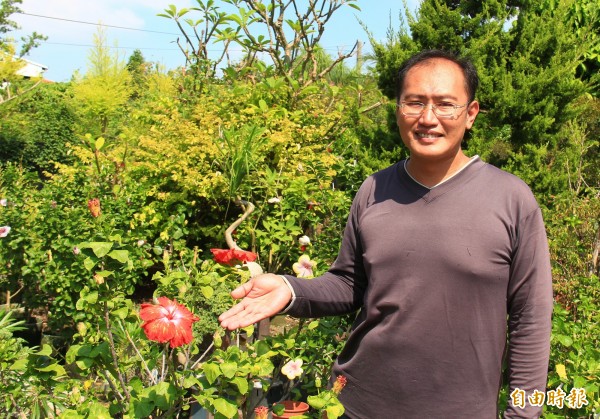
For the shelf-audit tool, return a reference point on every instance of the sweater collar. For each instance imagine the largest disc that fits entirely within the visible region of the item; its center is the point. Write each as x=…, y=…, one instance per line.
x=430, y=193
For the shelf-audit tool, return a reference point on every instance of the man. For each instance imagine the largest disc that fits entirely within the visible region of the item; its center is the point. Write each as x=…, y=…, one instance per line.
x=438, y=252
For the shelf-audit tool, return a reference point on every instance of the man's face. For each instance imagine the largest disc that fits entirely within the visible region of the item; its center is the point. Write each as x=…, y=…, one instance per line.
x=428, y=137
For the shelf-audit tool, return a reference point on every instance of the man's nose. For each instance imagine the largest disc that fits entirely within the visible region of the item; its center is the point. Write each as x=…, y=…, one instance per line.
x=428, y=116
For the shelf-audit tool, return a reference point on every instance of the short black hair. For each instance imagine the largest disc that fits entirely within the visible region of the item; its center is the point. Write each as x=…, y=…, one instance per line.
x=469, y=70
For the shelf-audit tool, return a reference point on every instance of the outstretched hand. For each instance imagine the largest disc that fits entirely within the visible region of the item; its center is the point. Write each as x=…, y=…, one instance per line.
x=262, y=297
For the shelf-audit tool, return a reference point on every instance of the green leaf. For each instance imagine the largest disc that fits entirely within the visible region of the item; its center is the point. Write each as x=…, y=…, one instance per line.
x=190, y=381
x=100, y=249
x=120, y=255
x=58, y=370
x=335, y=411
x=229, y=369
x=208, y=292
x=72, y=353
x=166, y=392
x=89, y=263
x=579, y=382
x=313, y=325
x=263, y=105
x=121, y=313
x=142, y=408
x=564, y=340
x=316, y=402
x=19, y=364
x=98, y=411
x=103, y=350
x=91, y=297
x=211, y=371
x=261, y=347
x=84, y=363
x=241, y=383
x=45, y=351
x=70, y=414
x=225, y=407
x=217, y=340
x=249, y=330
x=99, y=143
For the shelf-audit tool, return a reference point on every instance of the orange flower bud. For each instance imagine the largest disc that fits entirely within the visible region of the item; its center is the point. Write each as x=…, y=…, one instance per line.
x=94, y=207
x=340, y=383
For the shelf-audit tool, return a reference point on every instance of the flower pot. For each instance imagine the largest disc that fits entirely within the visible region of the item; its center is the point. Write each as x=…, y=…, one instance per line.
x=291, y=409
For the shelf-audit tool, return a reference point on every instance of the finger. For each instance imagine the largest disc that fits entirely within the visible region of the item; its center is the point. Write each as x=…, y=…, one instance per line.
x=236, y=309
x=244, y=314
x=238, y=322
x=242, y=290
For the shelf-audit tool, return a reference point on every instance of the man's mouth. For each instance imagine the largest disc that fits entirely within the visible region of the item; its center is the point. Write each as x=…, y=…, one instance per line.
x=427, y=135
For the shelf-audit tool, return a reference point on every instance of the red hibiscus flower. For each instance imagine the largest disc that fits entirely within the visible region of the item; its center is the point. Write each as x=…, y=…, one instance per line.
x=232, y=256
x=168, y=321
x=94, y=207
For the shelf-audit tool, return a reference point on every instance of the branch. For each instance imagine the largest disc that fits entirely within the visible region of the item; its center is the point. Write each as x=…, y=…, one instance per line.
x=187, y=38
x=187, y=57
x=112, y=385
x=371, y=107
x=253, y=267
x=139, y=354
x=19, y=95
x=248, y=210
x=111, y=341
x=595, y=269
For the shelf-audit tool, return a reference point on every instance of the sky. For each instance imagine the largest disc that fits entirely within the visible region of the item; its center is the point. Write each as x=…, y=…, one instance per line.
x=70, y=26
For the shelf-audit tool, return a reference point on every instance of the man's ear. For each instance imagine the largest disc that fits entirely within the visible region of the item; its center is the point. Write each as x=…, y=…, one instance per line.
x=472, y=111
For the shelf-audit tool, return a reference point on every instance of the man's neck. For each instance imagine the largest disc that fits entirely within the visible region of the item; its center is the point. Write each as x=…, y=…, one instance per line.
x=432, y=173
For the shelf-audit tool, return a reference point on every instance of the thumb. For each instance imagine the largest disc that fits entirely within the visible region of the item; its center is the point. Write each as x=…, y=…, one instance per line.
x=243, y=290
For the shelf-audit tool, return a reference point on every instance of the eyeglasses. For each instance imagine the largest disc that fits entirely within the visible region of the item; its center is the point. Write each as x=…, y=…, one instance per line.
x=441, y=110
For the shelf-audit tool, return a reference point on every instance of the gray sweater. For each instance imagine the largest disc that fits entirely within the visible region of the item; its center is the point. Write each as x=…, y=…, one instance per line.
x=436, y=273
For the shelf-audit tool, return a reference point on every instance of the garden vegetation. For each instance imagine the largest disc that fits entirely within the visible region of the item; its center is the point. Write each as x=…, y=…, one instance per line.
x=115, y=186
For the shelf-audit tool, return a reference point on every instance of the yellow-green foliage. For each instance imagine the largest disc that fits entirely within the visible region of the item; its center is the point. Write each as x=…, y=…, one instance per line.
x=189, y=153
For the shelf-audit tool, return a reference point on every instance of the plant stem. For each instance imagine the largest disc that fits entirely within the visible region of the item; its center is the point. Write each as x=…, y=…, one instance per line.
x=115, y=360
x=164, y=360
x=202, y=356
x=139, y=355
x=112, y=385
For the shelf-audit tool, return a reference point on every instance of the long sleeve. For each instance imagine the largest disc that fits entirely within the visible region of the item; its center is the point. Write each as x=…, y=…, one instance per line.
x=529, y=310
x=340, y=290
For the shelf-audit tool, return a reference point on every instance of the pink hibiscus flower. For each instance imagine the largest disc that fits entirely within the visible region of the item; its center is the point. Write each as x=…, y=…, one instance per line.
x=292, y=369
x=304, y=267
x=4, y=230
